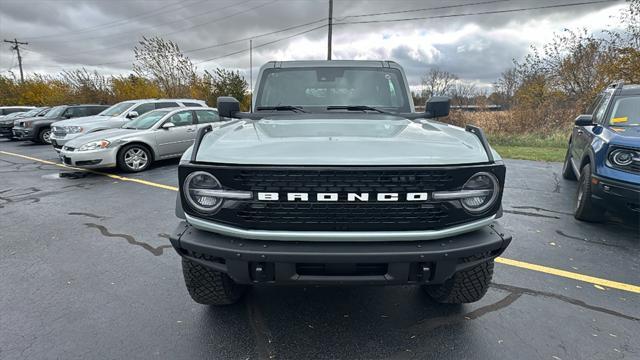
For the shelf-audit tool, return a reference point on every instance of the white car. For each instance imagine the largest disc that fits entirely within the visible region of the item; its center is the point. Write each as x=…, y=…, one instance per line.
x=114, y=117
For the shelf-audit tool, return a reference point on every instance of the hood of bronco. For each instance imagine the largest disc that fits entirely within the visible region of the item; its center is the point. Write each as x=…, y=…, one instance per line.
x=325, y=139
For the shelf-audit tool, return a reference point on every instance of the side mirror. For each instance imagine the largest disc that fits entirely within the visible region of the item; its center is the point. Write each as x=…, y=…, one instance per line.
x=168, y=125
x=437, y=106
x=584, y=120
x=228, y=106
x=132, y=115
x=68, y=116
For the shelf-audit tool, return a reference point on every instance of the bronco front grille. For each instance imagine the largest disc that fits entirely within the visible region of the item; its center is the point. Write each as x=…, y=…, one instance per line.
x=342, y=180
x=341, y=215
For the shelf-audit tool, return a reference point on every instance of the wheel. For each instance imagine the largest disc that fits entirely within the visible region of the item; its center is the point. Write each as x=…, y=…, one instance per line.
x=586, y=210
x=465, y=286
x=134, y=158
x=567, y=169
x=210, y=287
x=44, y=136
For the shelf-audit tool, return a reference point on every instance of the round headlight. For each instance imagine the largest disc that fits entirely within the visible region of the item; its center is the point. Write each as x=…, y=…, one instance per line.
x=196, y=187
x=486, y=186
x=622, y=157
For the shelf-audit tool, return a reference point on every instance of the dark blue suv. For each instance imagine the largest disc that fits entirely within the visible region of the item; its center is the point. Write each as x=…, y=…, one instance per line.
x=604, y=154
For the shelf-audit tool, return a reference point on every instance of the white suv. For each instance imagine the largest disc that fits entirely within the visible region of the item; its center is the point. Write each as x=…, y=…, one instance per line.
x=113, y=117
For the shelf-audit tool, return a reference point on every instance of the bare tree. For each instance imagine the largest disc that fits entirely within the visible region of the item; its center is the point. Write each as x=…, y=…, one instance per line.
x=437, y=82
x=162, y=61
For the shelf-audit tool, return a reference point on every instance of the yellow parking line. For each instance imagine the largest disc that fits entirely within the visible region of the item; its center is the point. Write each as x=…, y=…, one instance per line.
x=515, y=263
x=570, y=275
x=113, y=176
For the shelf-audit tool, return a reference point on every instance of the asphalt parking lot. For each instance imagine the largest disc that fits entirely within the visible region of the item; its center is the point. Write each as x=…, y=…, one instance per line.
x=88, y=272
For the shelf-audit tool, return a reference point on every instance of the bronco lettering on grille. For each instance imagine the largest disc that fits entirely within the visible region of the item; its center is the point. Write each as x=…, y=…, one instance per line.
x=350, y=197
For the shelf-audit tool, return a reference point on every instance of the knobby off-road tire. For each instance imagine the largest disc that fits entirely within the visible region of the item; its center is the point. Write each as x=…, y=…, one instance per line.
x=586, y=209
x=567, y=169
x=465, y=286
x=210, y=287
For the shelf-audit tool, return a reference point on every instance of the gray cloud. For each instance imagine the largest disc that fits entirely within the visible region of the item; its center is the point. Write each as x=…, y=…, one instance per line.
x=68, y=34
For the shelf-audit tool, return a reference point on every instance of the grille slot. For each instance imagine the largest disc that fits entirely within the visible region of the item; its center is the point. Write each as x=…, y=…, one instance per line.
x=340, y=216
x=343, y=181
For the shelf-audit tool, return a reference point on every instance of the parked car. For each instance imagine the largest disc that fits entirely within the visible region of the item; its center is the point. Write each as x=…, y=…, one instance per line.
x=333, y=178
x=604, y=154
x=114, y=117
x=158, y=134
x=6, y=110
x=39, y=129
x=7, y=122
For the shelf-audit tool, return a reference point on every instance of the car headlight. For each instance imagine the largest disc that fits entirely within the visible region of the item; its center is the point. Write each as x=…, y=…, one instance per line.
x=27, y=124
x=94, y=145
x=73, y=129
x=197, y=188
x=482, y=191
x=622, y=158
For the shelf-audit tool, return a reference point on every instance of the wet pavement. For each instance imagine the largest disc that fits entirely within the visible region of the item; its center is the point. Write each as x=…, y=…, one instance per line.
x=87, y=272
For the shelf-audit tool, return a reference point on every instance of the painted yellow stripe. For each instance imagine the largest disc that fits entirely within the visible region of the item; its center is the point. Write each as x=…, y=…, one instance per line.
x=570, y=275
x=515, y=263
x=113, y=176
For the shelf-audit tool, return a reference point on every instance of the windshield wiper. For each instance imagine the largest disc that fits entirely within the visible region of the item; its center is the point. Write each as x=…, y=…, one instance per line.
x=359, y=108
x=282, y=108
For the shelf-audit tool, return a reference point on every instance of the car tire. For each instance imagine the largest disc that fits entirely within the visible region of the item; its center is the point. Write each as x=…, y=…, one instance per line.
x=567, y=169
x=134, y=158
x=44, y=136
x=210, y=287
x=586, y=209
x=465, y=286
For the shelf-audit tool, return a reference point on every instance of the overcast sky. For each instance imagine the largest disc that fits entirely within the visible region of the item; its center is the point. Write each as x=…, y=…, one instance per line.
x=100, y=34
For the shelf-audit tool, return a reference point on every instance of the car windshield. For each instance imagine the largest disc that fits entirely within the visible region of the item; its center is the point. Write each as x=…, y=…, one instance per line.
x=31, y=113
x=117, y=109
x=55, y=112
x=147, y=120
x=333, y=86
x=626, y=112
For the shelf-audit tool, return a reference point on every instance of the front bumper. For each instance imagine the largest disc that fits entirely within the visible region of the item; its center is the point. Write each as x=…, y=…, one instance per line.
x=23, y=133
x=59, y=141
x=6, y=131
x=616, y=195
x=384, y=263
x=102, y=158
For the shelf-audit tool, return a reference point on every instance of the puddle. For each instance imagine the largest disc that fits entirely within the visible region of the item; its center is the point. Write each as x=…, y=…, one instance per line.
x=67, y=175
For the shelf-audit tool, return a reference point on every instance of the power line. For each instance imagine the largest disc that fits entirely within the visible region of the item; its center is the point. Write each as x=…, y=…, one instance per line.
x=262, y=45
x=253, y=37
x=170, y=22
x=164, y=9
x=424, y=9
x=476, y=13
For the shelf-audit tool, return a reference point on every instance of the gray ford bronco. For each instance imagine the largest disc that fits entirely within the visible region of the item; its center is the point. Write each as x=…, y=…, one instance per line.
x=333, y=178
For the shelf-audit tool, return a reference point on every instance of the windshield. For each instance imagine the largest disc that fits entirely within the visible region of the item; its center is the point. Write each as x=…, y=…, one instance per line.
x=31, y=113
x=147, y=120
x=55, y=112
x=334, y=86
x=117, y=109
x=626, y=112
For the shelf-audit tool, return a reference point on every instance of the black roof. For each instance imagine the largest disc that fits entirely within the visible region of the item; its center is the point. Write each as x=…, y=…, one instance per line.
x=623, y=89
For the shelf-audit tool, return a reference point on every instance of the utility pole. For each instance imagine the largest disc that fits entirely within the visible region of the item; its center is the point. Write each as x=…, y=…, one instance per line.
x=330, y=30
x=16, y=47
x=251, y=74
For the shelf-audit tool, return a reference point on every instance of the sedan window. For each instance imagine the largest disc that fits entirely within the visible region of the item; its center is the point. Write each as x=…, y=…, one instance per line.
x=147, y=120
x=207, y=116
x=182, y=118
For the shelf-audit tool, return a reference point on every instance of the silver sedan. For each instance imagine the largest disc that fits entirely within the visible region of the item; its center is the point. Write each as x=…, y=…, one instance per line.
x=156, y=135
